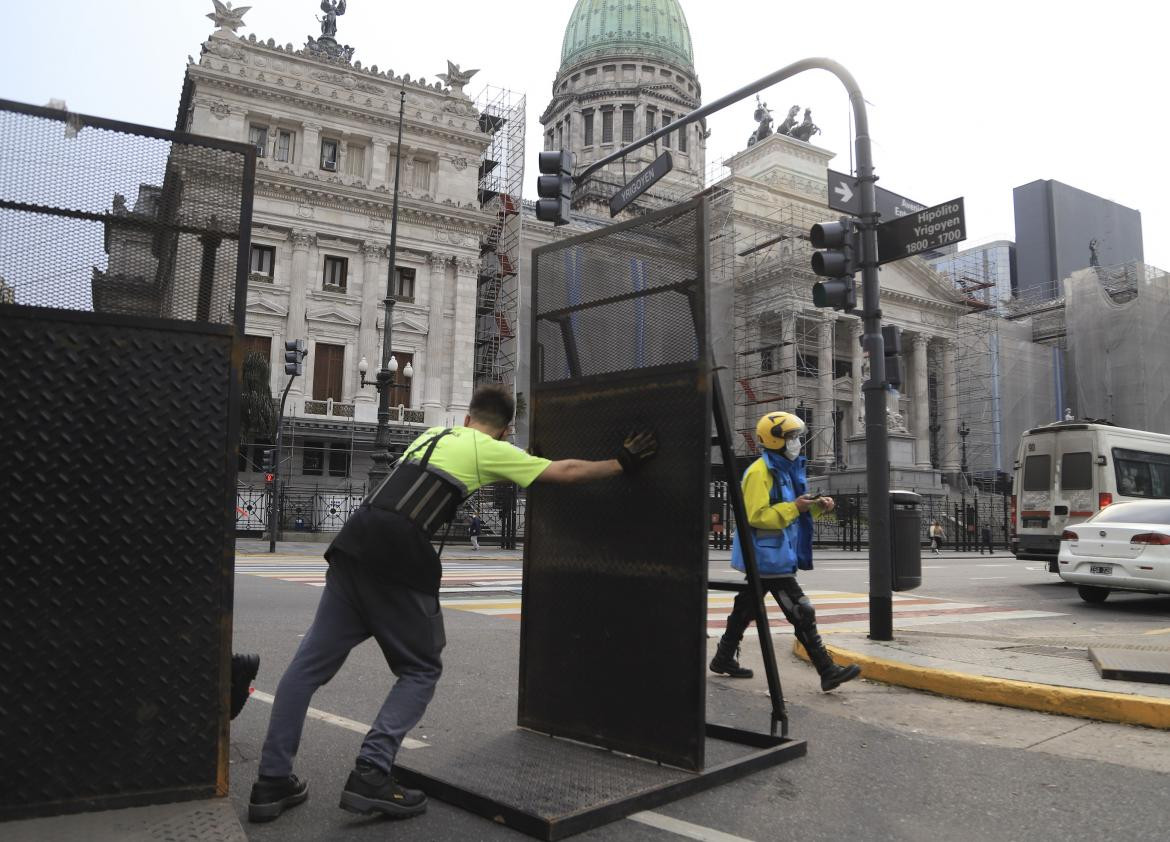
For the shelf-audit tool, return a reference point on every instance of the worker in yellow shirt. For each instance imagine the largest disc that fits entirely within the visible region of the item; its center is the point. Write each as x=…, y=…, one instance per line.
x=780, y=516
x=383, y=582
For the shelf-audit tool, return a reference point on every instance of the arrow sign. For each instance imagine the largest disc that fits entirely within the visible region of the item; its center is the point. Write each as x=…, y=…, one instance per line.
x=925, y=230
x=843, y=196
x=641, y=183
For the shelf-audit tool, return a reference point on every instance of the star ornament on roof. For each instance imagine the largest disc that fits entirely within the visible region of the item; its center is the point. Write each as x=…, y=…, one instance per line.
x=226, y=17
x=455, y=78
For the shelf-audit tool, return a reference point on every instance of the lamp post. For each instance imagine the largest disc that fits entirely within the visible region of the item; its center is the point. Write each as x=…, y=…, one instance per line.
x=964, y=431
x=380, y=468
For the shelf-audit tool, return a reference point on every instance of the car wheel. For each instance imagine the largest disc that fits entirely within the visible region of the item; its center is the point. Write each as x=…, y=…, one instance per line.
x=1092, y=593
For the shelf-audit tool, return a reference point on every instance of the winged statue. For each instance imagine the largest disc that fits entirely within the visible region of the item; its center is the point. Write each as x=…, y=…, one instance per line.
x=455, y=78
x=332, y=9
x=226, y=17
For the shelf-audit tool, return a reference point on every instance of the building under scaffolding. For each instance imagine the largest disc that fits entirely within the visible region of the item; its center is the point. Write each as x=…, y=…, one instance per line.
x=501, y=182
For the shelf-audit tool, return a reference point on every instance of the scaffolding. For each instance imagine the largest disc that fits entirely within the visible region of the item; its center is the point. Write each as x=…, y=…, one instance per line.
x=501, y=183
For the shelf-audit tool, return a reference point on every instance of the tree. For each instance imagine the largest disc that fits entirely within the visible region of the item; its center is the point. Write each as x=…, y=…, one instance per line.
x=257, y=412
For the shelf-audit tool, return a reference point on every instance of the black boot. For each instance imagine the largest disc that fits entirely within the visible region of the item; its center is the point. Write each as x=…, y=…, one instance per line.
x=244, y=669
x=370, y=790
x=832, y=676
x=272, y=796
x=726, y=661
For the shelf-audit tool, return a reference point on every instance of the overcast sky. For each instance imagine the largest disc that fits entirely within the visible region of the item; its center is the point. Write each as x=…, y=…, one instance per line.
x=962, y=103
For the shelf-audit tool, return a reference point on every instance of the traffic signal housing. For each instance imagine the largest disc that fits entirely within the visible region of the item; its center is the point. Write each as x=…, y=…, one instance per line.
x=269, y=464
x=294, y=355
x=555, y=187
x=892, y=339
x=836, y=261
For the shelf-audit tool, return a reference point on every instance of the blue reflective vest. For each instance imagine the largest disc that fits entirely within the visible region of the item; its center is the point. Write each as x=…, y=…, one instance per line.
x=779, y=552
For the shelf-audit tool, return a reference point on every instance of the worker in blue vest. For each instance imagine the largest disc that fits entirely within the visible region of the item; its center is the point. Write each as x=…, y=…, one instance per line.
x=383, y=582
x=780, y=516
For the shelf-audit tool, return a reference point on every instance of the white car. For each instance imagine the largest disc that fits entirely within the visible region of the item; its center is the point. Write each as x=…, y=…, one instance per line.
x=1123, y=547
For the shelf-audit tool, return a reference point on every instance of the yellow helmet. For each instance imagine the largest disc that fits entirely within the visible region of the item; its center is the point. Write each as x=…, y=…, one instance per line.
x=774, y=427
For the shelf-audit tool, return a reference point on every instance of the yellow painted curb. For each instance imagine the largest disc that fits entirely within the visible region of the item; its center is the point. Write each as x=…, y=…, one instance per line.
x=1069, y=701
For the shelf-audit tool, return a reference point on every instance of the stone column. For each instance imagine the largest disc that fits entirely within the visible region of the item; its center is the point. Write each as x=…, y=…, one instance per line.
x=921, y=400
x=824, y=420
x=379, y=160
x=788, y=356
x=432, y=371
x=298, y=326
x=373, y=290
x=463, y=347
x=949, y=410
x=856, y=330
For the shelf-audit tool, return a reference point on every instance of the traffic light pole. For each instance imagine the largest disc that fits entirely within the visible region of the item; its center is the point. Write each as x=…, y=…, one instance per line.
x=274, y=502
x=877, y=445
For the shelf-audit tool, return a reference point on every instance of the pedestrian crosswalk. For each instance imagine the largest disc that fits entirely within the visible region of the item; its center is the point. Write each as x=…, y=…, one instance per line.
x=494, y=589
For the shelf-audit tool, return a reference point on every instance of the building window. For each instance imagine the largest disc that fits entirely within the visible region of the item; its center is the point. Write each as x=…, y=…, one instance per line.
x=404, y=283
x=682, y=139
x=328, y=362
x=261, y=345
x=807, y=365
x=258, y=137
x=667, y=117
x=329, y=155
x=627, y=125
x=355, y=160
x=607, y=126
x=284, y=146
x=560, y=136
x=338, y=459
x=651, y=121
x=548, y=141
x=422, y=174
x=313, y=458
x=400, y=394
x=333, y=278
x=589, y=129
x=263, y=260
x=766, y=360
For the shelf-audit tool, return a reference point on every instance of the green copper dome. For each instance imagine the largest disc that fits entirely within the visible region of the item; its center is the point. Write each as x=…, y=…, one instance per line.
x=600, y=28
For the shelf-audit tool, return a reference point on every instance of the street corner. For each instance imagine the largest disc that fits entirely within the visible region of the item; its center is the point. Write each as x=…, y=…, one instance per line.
x=1123, y=708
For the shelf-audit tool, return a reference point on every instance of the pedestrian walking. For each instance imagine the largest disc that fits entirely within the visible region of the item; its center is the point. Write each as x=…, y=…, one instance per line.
x=780, y=515
x=473, y=530
x=985, y=540
x=383, y=582
x=936, y=537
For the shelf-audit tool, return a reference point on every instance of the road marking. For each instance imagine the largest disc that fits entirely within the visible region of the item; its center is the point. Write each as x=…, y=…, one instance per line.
x=675, y=826
x=1157, y=631
x=986, y=578
x=684, y=829
x=339, y=721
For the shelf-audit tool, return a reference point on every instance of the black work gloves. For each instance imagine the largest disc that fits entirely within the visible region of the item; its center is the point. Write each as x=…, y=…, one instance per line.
x=637, y=449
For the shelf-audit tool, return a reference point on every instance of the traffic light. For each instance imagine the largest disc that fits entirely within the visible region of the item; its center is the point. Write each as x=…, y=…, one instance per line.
x=294, y=354
x=269, y=464
x=555, y=187
x=892, y=337
x=839, y=243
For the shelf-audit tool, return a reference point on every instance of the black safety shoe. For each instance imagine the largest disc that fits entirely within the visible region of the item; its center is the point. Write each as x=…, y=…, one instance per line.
x=370, y=790
x=244, y=669
x=272, y=796
x=835, y=676
x=725, y=662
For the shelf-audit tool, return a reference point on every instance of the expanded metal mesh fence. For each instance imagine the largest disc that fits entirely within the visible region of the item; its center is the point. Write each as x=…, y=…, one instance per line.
x=120, y=335
x=613, y=632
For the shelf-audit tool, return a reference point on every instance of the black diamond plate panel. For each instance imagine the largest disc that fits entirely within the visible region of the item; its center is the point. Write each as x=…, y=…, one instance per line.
x=1132, y=663
x=613, y=637
x=113, y=600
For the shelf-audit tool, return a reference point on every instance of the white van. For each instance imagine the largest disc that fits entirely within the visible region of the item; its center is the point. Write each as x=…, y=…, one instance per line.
x=1068, y=471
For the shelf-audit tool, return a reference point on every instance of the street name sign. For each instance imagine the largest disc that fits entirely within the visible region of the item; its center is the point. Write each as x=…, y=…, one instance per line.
x=845, y=197
x=641, y=183
x=926, y=230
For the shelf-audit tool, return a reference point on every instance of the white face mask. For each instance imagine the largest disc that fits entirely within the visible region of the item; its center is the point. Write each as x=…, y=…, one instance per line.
x=792, y=447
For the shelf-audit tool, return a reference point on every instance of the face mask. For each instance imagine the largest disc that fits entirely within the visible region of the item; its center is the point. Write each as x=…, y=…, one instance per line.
x=792, y=447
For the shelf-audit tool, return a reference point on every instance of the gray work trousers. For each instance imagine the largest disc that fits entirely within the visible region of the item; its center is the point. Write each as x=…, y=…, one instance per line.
x=408, y=626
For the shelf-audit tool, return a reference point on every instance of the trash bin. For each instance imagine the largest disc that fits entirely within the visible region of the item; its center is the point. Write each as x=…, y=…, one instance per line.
x=905, y=540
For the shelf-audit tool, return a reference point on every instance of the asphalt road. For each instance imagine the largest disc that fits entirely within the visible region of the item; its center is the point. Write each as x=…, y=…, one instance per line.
x=883, y=763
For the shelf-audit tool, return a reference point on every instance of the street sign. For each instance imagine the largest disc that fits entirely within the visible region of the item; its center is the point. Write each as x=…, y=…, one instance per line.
x=925, y=230
x=643, y=182
x=845, y=197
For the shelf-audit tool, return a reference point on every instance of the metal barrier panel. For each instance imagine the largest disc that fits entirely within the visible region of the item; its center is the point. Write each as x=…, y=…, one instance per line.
x=613, y=634
x=123, y=251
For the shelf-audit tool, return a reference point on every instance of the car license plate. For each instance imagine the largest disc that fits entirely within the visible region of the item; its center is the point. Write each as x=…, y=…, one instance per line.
x=1101, y=570
x=1035, y=523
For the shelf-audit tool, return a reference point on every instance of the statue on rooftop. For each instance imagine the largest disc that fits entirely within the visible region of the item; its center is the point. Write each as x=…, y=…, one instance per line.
x=807, y=128
x=789, y=122
x=226, y=17
x=332, y=9
x=455, y=78
x=763, y=118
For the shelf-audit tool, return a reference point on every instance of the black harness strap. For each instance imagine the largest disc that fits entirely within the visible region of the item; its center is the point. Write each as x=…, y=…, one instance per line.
x=423, y=497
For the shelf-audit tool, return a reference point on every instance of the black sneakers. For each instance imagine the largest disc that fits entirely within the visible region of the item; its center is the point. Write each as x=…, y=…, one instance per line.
x=272, y=796
x=835, y=676
x=370, y=790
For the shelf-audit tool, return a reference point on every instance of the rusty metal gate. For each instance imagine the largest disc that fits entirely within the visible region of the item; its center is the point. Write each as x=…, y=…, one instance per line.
x=123, y=253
